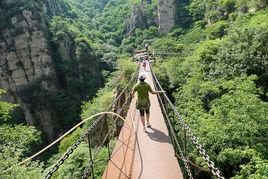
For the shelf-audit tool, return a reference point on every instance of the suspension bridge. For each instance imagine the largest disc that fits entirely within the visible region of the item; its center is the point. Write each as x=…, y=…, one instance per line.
x=143, y=155
x=160, y=153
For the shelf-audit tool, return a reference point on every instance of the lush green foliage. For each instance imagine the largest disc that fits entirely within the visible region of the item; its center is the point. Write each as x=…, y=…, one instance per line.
x=218, y=81
x=104, y=25
x=79, y=161
x=145, y=31
x=221, y=9
x=84, y=37
x=220, y=87
x=16, y=141
x=100, y=103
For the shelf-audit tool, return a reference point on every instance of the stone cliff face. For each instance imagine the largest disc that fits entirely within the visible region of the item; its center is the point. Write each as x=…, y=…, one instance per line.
x=76, y=64
x=25, y=57
x=166, y=15
x=137, y=18
x=37, y=71
x=143, y=15
x=166, y=18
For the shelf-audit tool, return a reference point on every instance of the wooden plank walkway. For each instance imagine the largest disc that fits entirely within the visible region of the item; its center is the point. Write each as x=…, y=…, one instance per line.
x=143, y=155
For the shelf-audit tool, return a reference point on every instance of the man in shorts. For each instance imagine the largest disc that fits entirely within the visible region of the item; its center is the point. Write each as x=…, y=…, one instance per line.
x=143, y=103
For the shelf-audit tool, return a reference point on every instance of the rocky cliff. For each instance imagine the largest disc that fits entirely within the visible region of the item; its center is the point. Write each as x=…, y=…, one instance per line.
x=142, y=16
x=25, y=56
x=166, y=15
x=46, y=73
x=137, y=19
x=53, y=7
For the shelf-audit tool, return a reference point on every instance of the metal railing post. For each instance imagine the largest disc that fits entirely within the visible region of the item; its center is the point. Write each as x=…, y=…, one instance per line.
x=108, y=137
x=175, y=134
x=90, y=155
x=184, y=146
x=185, y=142
x=109, y=151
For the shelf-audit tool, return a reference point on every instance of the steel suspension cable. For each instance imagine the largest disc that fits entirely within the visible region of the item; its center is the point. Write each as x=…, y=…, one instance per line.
x=81, y=138
x=64, y=135
x=85, y=135
x=214, y=170
x=87, y=171
x=184, y=158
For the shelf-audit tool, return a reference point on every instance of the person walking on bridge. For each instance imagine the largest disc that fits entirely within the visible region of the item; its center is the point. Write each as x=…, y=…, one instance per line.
x=143, y=103
x=144, y=64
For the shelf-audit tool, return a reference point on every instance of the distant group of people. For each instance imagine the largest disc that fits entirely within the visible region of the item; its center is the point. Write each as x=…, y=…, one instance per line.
x=147, y=59
x=144, y=64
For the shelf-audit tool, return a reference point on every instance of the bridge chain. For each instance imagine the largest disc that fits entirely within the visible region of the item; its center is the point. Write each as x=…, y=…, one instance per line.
x=70, y=150
x=86, y=173
x=214, y=170
x=84, y=136
x=184, y=158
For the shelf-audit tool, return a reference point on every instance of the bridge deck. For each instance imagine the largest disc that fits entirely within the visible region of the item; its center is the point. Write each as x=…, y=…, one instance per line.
x=143, y=155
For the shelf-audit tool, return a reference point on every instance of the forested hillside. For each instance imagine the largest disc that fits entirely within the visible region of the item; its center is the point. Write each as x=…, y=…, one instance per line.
x=54, y=56
x=219, y=82
x=64, y=60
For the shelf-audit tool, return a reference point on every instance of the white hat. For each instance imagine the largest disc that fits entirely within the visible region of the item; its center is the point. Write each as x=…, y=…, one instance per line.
x=142, y=76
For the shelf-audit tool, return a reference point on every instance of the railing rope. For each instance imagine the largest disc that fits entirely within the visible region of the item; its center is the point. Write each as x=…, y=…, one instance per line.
x=175, y=141
x=83, y=137
x=91, y=162
x=76, y=144
x=214, y=170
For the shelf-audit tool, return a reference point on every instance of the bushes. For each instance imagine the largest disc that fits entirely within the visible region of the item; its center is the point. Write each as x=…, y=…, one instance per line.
x=126, y=71
x=5, y=109
x=214, y=11
x=221, y=91
x=138, y=39
x=256, y=168
x=197, y=9
x=217, y=30
x=79, y=161
x=17, y=141
x=239, y=54
x=228, y=5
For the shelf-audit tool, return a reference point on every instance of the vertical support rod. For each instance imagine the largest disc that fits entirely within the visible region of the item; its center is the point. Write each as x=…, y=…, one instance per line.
x=184, y=147
x=109, y=151
x=164, y=100
x=185, y=142
x=90, y=155
x=173, y=117
x=108, y=138
x=174, y=143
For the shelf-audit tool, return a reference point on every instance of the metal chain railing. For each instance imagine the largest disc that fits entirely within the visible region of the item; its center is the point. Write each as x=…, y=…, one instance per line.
x=91, y=163
x=72, y=148
x=214, y=170
x=174, y=138
x=88, y=170
x=90, y=129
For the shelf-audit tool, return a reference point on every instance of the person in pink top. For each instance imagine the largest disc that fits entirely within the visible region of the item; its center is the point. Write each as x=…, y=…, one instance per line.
x=144, y=65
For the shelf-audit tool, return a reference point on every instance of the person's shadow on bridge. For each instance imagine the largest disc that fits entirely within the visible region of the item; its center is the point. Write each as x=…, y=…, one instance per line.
x=158, y=135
